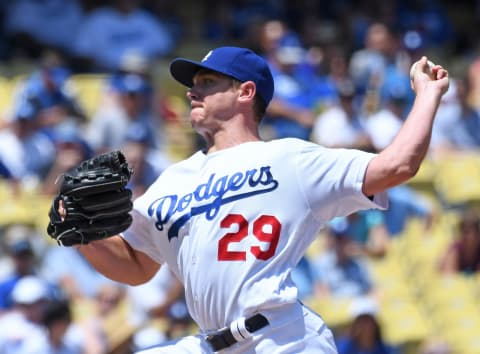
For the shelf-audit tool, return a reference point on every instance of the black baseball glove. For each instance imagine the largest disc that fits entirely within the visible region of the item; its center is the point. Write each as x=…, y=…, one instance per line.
x=95, y=201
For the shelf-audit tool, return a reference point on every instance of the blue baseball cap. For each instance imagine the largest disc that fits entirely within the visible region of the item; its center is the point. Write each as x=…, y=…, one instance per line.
x=240, y=63
x=20, y=247
x=340, y=226
x=27, y=109
x=130, y=83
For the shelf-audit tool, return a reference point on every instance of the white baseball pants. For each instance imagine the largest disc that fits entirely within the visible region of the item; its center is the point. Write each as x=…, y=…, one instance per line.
x=293, y=329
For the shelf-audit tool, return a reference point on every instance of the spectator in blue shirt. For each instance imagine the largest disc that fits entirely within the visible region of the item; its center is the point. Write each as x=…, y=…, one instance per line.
x=405, y=203
x=364, y=336
x=109, y=33
x=339, y=271
x=22, y=256
x=25, y=150
x=303, y=277
x=130, y=109
x=464, y=135
x=290, y=113
x=147, y=163
x=32, y=25
x=4, y=171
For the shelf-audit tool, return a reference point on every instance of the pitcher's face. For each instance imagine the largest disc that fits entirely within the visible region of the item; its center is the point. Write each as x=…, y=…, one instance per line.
x=212, y=98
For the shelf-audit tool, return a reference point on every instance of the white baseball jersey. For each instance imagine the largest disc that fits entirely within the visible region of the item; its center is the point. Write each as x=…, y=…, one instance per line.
x=233, y=223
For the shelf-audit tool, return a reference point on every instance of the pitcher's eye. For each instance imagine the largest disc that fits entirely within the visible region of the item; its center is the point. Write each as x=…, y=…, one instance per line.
x=207, y=81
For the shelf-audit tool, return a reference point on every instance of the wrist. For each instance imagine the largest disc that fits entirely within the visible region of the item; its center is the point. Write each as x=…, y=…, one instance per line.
x=429, y=93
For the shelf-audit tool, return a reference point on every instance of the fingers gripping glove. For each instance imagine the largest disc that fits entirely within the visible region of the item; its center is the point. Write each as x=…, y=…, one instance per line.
x=95, y=200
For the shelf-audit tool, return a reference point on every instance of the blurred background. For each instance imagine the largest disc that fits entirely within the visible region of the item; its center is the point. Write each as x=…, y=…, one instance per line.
x=80, y=77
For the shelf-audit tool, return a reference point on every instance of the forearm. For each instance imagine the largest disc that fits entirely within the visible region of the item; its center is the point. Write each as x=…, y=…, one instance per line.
x=117, y=260
x=401, y=160
x=411, y=144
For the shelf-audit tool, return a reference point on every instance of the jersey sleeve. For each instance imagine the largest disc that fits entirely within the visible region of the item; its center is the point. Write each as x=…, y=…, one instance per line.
x=332, y=179
x=139, y=234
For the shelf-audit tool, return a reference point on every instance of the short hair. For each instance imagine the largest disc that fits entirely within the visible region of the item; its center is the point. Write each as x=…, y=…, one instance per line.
x=57, y=310
x=469, y=220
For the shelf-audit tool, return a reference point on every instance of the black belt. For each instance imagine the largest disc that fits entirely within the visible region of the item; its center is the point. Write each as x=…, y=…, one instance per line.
x=224, y=338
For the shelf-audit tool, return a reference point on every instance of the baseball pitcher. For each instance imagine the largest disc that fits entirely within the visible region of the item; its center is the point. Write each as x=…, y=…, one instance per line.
x=233, y=220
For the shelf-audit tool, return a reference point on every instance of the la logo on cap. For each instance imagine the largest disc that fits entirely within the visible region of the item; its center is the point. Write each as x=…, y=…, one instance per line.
x=206, y=56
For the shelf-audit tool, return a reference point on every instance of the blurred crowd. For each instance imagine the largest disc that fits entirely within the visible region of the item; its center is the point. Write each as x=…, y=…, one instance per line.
x=341, y=73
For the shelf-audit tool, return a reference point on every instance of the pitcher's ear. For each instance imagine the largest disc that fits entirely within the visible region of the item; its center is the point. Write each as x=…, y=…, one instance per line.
x=248, y=90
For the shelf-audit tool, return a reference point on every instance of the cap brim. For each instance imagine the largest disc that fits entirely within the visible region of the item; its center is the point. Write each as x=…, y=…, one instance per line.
x=183, y=70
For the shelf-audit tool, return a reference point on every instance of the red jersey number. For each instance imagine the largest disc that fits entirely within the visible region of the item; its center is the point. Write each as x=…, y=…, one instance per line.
x=266, y=228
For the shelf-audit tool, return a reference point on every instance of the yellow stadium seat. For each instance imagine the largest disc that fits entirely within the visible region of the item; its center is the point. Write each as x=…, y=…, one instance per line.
x=82, y=309
x=8, y=90
x=458, y=178
x=24, y=206
x=452, y=304
x=13, y=211
x=117, y=327
x=88, y=89
x=425, y=175
x=402, y=322
x=5, y=96
x=335, y=312
x=467, y=342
